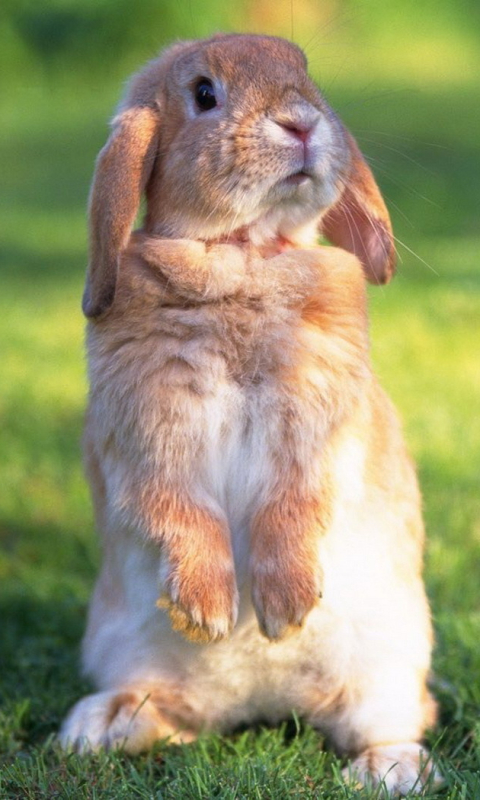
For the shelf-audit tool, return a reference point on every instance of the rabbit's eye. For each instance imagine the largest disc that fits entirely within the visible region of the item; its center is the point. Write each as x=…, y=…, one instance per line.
x=205, y=95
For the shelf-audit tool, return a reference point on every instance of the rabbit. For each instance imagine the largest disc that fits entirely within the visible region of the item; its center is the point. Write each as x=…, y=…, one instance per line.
x=260, y=517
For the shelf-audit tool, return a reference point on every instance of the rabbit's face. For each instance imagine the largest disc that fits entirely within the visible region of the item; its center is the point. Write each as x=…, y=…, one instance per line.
x=229, y=138
x=247, y=141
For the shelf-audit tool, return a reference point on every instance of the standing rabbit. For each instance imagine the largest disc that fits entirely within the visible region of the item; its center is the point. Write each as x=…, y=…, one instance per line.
x=260, y=518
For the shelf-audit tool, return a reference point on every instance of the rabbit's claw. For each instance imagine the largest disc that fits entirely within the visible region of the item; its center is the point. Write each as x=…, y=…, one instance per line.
x=283, y=598
x=203, y=609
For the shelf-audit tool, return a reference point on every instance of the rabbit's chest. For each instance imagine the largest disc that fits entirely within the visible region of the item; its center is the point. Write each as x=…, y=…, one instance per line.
x=254, y=342
x=263, y=411
x=246, y=383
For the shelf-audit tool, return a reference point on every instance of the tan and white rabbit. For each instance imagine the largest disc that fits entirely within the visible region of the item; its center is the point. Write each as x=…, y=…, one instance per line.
x=260, y=518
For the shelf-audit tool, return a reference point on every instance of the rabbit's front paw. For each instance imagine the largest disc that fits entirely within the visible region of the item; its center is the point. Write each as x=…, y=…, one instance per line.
x=293, y=274
x=283, y=595
x=202, y=604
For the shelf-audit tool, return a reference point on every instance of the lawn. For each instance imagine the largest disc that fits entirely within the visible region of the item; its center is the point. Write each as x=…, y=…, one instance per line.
x=425, y=332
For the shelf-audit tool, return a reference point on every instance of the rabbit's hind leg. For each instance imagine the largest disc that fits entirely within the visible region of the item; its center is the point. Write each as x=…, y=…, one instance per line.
x=128, y=719
x=401, y=769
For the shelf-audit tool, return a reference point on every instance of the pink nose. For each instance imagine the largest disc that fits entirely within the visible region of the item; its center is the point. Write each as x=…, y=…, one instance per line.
x=299, y=130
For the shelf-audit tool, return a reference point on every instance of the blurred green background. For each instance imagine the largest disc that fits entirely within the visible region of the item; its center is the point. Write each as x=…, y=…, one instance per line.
x=404, y=76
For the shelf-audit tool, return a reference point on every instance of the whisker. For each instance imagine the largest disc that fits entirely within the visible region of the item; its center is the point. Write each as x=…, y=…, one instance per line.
x=335, y=77
x=396, y=182
x=398, y=210
x=410, y=139
x=341, y=18
x=378, y=96
x=413, y=253
x=350, y=219
x=398, y=152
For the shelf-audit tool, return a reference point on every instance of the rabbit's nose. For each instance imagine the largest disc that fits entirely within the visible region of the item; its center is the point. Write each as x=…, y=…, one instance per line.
x=299, y=120
x=301, y=130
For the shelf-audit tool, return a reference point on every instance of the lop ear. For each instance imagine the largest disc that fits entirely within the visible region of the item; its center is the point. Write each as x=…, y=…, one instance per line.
x=359, y=221
x=122, y=172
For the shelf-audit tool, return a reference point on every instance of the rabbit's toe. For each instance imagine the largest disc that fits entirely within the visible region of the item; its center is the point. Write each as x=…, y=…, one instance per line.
x=203, y=607
x=398, y=768
x=126, y=720
x=283, y=601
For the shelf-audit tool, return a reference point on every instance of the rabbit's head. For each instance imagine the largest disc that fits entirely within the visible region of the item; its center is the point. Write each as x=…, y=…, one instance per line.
x=229, y=136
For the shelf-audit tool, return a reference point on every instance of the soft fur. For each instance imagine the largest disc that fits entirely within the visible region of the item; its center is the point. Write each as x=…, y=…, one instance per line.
x=260, y=517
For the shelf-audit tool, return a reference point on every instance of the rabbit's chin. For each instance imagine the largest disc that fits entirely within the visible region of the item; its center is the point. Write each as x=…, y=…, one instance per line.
x=278, y=212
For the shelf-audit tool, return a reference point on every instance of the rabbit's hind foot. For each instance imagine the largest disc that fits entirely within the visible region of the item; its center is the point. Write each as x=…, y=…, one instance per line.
x=127, y=720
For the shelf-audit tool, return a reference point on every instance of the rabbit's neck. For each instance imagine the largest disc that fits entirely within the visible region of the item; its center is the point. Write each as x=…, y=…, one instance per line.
x=266, y=248
x=270, y=234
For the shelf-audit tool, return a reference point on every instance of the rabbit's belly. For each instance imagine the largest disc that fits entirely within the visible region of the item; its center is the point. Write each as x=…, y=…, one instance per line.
x=243, y=440
x=235, y=469
x=238, y=436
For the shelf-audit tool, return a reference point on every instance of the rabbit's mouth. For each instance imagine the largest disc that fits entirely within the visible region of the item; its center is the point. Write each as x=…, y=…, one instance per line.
x=298, y=178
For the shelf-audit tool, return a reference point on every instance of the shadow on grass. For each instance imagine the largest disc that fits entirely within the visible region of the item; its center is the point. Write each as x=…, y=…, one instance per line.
x=40, y=671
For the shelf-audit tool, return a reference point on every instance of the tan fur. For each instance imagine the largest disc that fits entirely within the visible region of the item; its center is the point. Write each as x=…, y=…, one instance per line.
x=249, y=476
x=359, y=222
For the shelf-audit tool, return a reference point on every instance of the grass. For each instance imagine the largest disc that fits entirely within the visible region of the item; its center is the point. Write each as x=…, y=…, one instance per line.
x=424, y=334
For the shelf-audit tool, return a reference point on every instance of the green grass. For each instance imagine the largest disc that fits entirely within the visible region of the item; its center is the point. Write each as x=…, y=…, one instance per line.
x=424, y=337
